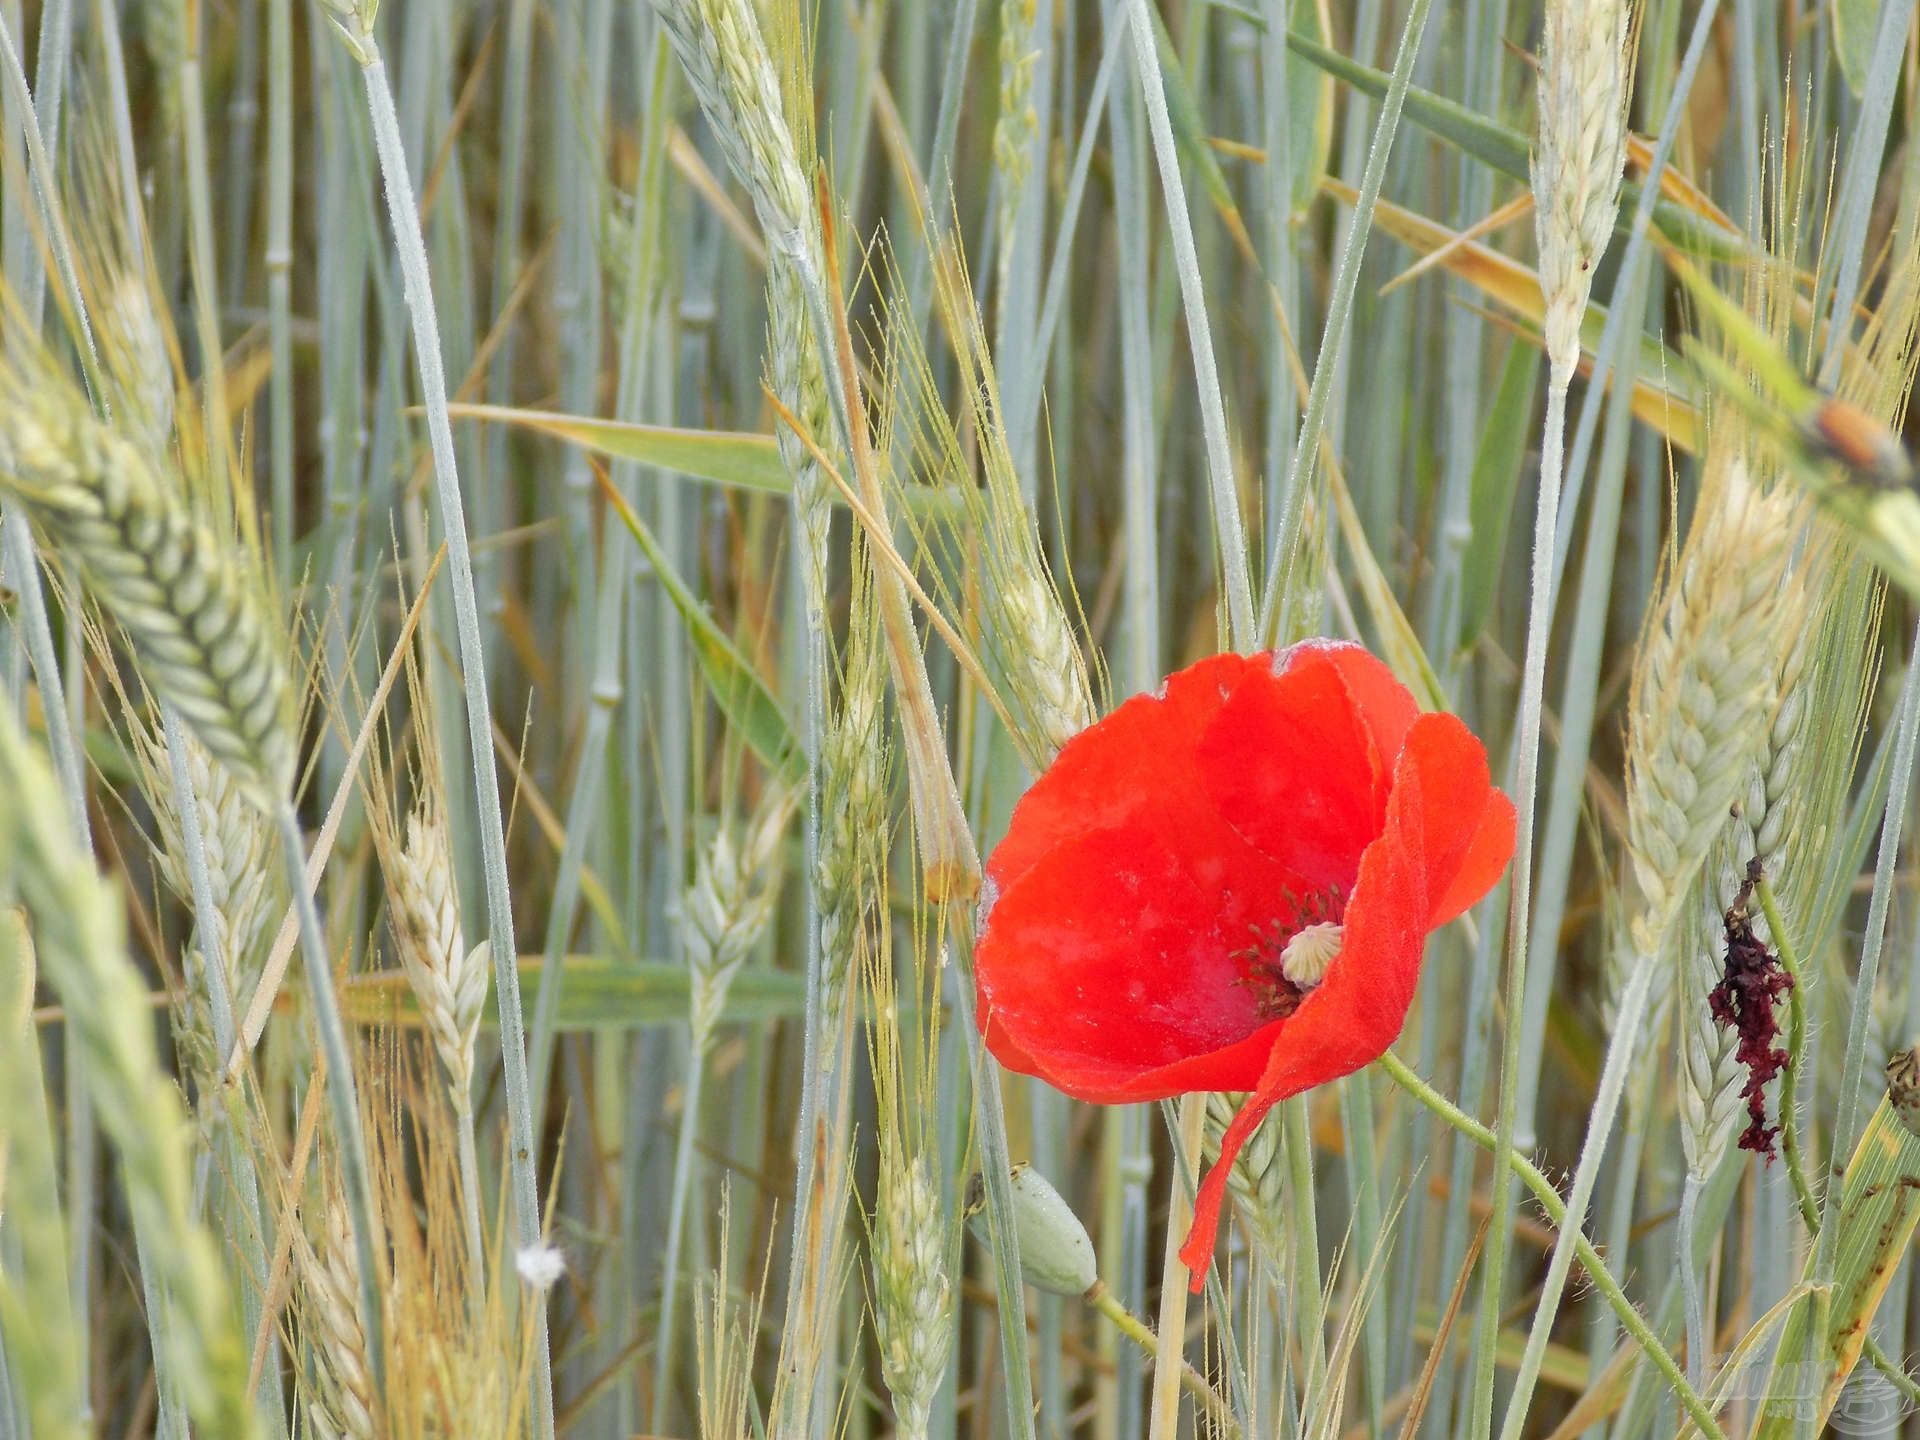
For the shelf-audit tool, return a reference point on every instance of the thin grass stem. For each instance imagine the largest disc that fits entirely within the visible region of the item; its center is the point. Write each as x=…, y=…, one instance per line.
x=1519, y=906
x=404, y=214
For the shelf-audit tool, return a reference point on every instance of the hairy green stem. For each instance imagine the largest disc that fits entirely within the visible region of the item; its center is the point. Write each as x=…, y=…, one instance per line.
x=1549, y=1200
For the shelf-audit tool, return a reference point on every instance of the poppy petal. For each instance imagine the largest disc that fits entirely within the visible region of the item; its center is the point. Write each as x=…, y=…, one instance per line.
x=1358, y=1010
x=1290, y=765
x=1097, y=778
x=1462, y=816
x=1483, y=864
x=1113, y=959
x=1236, y=1067
x=1385, y=706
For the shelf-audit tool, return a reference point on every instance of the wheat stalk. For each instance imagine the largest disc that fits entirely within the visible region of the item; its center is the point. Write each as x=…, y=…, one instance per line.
x=195, y=617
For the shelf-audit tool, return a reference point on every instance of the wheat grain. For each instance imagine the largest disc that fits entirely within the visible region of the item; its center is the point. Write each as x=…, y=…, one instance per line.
x=195, y=618
x=1585, y=78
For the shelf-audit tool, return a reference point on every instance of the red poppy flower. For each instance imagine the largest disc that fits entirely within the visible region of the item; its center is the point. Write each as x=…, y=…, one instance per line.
x=1229, y=886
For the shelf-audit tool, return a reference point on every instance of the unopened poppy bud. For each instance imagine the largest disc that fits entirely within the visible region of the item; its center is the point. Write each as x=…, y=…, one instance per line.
x=1055, y=1253
x=1903, y=1086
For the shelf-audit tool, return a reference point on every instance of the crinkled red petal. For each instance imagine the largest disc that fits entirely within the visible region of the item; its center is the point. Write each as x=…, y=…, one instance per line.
x=1484, y=863
x=1385, y=707
x=1291, y=766
x=1108, y=968
x=1121, y=765
x=1357, y=1011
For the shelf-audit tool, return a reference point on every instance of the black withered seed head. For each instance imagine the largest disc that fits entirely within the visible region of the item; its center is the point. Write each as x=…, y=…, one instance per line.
x=1744, y=1000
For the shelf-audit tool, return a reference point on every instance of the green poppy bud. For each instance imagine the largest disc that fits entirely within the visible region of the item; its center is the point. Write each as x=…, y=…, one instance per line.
x=1055, y=1253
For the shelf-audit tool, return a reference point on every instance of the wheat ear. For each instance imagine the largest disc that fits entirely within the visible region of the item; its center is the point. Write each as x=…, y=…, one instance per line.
x=913, y=1291
x=341, y=1405
x=243, y=879
x=80, y=937
x=195, y=617
x=853, y=769
x=1768, y=824
x=1586, y=75
x=728, y=907
x=1706, y=687
x=449, y=980
x=1257, y=1179
x=725, y=57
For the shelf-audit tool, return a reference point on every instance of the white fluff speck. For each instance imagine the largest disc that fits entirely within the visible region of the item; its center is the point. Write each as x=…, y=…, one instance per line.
x=989, y=897
x=541, y=1266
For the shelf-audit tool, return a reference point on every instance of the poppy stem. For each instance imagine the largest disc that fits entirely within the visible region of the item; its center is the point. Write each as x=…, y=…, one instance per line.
x=1796, y=1042
x=1105, y=1302
x=1629, y=1314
